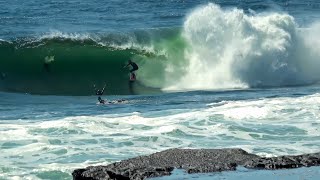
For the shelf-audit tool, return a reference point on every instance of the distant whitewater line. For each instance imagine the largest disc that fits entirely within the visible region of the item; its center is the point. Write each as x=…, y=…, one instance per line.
x=214, y=49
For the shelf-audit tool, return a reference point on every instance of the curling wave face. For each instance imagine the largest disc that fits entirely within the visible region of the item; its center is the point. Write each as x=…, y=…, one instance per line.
x=215, y=48
x=69, y=64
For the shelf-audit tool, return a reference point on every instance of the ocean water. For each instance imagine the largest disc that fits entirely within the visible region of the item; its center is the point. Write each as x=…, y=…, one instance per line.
x=212, y=74
x=247, y=174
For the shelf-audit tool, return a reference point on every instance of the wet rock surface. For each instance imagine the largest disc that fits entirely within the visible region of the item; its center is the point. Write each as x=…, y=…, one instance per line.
x=191, y=160
x=285, y=162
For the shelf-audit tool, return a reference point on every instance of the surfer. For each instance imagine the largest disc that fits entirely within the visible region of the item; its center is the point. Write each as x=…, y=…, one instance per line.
x=134, y=68
x=133, y=65
x=100, y=93
x=119, y=101
x=47, y=61
x=101, y=101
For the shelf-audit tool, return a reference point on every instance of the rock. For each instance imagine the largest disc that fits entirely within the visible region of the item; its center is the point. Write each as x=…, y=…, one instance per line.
x=191, y=160
x=163, y=163
x=285, y=162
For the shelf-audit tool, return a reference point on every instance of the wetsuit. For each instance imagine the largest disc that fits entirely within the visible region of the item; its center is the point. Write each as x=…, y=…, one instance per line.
x=134, y=66
x=101, y=101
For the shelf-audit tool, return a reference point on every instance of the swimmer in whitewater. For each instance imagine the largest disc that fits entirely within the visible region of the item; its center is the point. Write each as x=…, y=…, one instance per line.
x=100, y=93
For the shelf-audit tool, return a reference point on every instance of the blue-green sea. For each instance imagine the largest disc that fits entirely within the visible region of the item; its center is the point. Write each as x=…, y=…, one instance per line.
x=212, y=74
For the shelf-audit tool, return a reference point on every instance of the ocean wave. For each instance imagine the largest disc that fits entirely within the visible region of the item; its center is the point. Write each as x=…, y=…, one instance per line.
x=215, y=49
x=80, y=60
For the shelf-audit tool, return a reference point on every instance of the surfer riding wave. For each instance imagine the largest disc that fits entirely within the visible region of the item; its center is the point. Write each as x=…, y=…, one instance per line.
x=134, y=68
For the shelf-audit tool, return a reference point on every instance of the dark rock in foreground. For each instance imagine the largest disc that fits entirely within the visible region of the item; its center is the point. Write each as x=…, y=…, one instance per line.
x=193, y=161
x=285, y=162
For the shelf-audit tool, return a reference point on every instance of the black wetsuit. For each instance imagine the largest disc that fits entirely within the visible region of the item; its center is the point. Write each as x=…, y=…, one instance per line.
x=134, y=66
x=101, y=101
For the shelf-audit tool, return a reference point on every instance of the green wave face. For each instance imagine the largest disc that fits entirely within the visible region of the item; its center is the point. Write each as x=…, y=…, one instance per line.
x=215, y=49
x=70, y=66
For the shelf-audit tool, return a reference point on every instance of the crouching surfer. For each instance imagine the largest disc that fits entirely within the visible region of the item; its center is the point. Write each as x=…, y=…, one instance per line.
x=133, y=69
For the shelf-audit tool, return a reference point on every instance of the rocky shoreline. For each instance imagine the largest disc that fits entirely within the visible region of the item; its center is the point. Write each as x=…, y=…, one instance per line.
x=193, y=161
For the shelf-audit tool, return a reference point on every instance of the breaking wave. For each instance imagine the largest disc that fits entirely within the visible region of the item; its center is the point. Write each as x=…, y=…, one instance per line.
x=215, y=48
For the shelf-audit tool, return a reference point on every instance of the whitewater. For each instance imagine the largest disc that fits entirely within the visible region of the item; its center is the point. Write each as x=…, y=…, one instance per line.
x=217, y=74
x=230, y=49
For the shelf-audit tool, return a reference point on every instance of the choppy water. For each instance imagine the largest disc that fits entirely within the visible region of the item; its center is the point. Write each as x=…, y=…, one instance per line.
x=213, y=74
x=43, y=136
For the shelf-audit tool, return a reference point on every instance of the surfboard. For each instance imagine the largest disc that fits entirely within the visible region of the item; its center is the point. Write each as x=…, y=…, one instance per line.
x=132, y=76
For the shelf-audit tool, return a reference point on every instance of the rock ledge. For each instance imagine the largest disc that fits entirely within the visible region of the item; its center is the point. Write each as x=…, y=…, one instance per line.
x=191, y=160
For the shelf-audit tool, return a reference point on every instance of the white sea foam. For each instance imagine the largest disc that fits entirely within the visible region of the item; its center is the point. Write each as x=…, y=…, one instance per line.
x=231, y=49
x=73, y=36
x=124, y=41
x=266, y=126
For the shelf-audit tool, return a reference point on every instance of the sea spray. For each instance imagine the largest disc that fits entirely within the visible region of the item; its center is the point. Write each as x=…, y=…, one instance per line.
x=230, y=49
